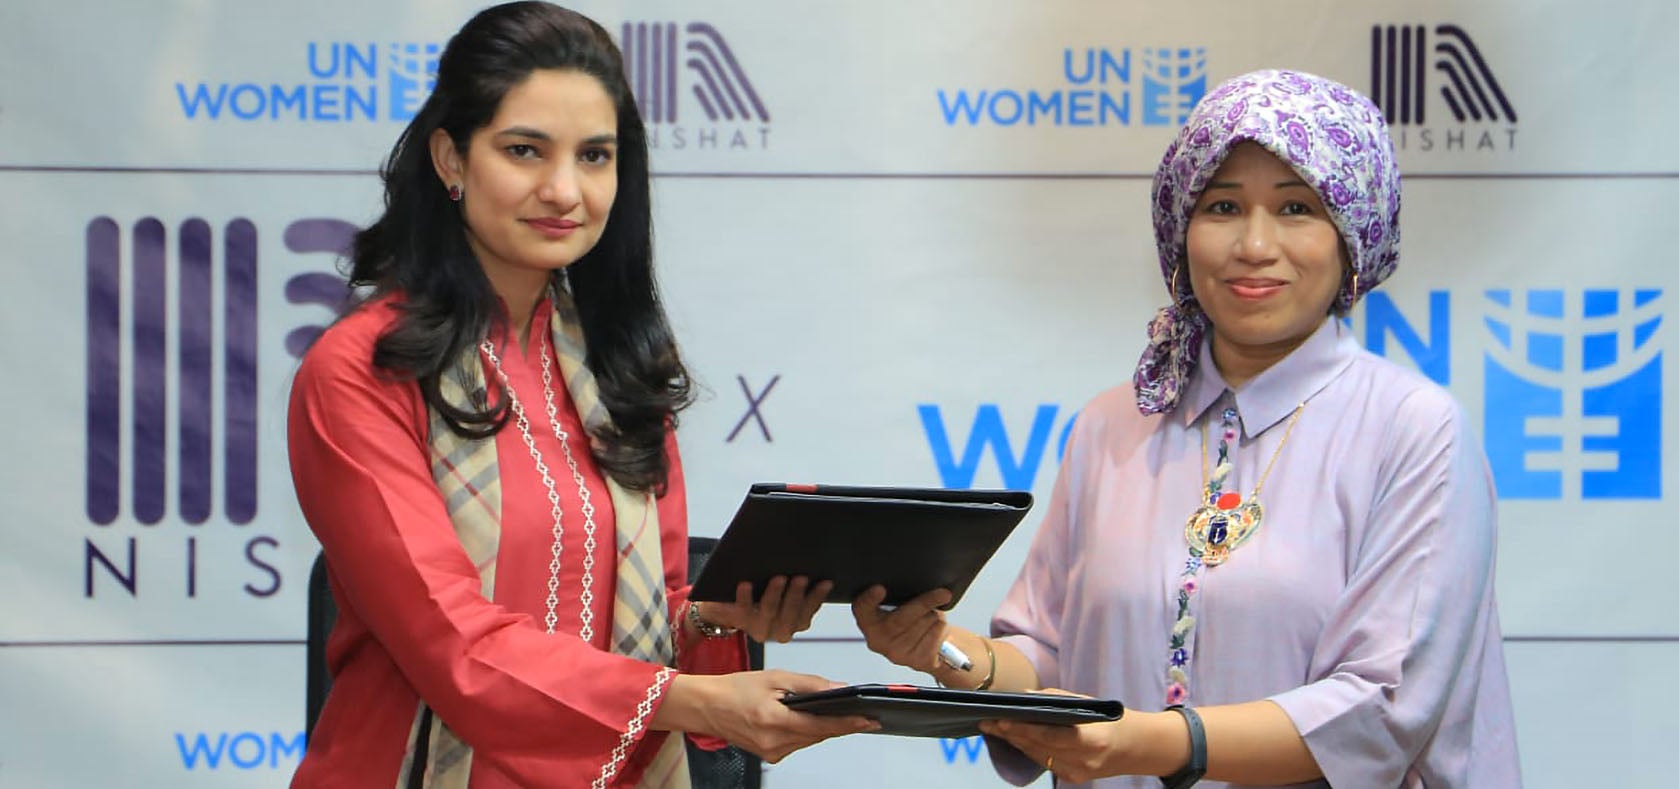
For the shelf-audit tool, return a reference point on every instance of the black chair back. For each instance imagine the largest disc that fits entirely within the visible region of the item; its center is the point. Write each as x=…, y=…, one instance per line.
x=729, y=767
x=323, y=613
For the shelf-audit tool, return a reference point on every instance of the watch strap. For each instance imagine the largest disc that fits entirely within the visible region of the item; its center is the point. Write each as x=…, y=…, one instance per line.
x=1197, y=766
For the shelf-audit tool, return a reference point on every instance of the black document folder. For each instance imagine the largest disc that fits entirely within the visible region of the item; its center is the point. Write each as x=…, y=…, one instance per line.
x=916, y=711
x=910, y=540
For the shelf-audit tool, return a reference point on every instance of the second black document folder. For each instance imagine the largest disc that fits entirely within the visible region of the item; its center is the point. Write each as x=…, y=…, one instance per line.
x=911, y=540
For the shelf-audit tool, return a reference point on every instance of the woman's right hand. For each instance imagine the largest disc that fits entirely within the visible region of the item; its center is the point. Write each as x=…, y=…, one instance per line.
x=745, y=709
x=908, y=635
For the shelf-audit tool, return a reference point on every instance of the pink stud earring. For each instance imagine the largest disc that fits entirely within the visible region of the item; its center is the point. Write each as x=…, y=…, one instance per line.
x=455, y=192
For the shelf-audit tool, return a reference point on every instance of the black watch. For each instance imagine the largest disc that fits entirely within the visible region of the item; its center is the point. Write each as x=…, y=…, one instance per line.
x=1197, y=767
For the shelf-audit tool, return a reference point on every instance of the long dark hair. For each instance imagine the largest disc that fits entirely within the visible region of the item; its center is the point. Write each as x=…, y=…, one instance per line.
x=418, y=248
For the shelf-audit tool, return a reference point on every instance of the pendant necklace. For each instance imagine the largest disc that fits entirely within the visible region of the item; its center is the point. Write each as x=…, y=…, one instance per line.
x=1222, y=522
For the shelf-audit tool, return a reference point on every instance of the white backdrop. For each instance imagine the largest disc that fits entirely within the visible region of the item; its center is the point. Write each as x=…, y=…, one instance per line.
x=917, y=243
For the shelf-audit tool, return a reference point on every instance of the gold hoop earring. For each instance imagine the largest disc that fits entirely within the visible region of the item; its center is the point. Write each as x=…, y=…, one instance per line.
x=1173, y=288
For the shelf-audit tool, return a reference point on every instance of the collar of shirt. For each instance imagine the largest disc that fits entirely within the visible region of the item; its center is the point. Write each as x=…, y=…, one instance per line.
x=1271, y=396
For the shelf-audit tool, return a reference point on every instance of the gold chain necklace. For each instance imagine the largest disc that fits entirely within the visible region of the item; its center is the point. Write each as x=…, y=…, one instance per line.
x=1225, y=520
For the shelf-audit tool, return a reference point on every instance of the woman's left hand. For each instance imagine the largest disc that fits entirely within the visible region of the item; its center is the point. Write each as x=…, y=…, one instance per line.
x=1072, y=753
x=786, y=608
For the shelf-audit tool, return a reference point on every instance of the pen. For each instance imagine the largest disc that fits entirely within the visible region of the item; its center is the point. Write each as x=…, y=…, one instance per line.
x=948, y=653
x=954, y=657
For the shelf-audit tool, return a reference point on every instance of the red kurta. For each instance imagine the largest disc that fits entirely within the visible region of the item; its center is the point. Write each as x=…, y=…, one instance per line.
x=538, y=709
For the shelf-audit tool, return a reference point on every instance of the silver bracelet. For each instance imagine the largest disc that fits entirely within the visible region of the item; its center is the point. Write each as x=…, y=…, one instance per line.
x=705, y=628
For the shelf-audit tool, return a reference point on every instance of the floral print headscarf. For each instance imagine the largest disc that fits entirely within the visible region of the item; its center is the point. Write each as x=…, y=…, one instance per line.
x=1331, y=135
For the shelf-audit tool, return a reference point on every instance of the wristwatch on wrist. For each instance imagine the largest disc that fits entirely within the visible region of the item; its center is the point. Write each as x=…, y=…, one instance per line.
x=705, y=628
x=1197, y=767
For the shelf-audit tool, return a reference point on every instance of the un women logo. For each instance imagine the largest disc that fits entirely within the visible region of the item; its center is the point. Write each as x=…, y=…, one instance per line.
x=1573, y=393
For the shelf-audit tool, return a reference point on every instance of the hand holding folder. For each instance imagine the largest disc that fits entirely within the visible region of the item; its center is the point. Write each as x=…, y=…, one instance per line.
x=916, y=711
x=910, y=540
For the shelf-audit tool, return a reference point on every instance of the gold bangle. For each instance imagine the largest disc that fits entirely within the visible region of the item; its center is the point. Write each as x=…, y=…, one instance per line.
x=990, y=675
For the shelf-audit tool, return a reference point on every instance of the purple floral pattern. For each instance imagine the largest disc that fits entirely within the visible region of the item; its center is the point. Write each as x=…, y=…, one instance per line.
x=1337, y=141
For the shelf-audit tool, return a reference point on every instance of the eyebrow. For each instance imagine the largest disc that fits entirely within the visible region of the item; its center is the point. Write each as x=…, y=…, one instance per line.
x=542, y=136
x=1277, y=185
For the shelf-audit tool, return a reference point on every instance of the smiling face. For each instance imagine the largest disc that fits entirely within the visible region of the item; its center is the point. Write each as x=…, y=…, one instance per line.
x=1265, y=260
x=538, y=180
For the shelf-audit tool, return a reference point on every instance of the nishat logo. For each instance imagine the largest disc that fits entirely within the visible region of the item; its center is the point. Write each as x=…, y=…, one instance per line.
x=317, y=235
x=172, y=320
x=717, y=81
x=145, y=327
x=663, y=58
x=1406, y=64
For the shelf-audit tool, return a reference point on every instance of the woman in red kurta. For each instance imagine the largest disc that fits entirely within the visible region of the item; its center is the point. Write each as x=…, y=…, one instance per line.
x=485, y=450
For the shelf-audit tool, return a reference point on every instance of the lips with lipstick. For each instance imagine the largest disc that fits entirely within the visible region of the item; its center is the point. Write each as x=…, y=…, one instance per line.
x=554, y=227
x=1255, y=288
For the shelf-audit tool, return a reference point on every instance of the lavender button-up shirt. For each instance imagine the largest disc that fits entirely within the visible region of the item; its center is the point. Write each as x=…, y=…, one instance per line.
x=1363, y=605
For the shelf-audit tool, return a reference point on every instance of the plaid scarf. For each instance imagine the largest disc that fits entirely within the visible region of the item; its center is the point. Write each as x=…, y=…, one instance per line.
x=465, y=471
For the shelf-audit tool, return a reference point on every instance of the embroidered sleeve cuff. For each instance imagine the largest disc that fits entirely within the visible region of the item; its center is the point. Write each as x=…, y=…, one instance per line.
x=637, y=727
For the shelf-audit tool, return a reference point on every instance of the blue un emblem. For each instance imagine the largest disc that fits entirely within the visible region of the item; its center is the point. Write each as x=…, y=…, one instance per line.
x=413, y=76
x=1174, y=80
x=1573, y=394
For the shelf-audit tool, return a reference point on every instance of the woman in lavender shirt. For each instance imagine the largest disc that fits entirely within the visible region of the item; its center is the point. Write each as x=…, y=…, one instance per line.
x=1275, y=547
